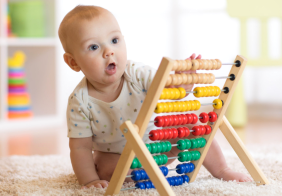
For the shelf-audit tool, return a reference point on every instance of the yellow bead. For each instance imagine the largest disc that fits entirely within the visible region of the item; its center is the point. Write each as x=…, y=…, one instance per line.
x=177, y=93
x=217, y=104
x=217, y=91
x=208, y=91
x=212, y=91
x=172, y=93
x=182, y=92
x=163, y=95
x=167, y=93
x=159, y=108
x=193, y=105
x=165, y=105
x=188, y=104
x=199, y=92
x=179, y=106
x=198, y=104
x=170, y=106
x=184, y=106
x=175, y=106
x=205, y=92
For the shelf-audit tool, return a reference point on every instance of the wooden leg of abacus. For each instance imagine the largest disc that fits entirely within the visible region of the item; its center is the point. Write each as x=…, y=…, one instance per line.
x=242, y=152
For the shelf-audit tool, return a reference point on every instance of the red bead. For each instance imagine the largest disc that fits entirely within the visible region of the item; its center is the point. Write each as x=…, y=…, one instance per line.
x=195, y=118
x=189, y=118
x=170, y=134
x=154, y=135
x=159, y=121
x=165, y=131
x=203, y=128
x=181, y=132
x=187, y=131
x=180, y=120
x=205, y=117
x=197, y=130
x=166, y=121
x=213, y=116
x=175, y=118
x=171, y=121
x=208, y=129
x=184, y=118
x=175, y=133
x=161, y=134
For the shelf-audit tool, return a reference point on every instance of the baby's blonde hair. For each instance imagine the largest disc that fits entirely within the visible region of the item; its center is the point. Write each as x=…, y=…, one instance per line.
x=78, y=13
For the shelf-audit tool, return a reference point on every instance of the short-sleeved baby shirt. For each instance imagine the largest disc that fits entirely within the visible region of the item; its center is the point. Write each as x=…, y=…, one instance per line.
x=90, y=117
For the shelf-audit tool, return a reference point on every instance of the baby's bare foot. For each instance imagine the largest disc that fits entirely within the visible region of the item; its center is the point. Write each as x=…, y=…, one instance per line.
x=227, y=174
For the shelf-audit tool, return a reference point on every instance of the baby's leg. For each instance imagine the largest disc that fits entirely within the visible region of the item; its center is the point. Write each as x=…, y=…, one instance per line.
x=105, y=164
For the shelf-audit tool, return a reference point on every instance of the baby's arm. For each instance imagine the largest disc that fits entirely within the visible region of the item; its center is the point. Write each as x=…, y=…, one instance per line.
x=83, y=164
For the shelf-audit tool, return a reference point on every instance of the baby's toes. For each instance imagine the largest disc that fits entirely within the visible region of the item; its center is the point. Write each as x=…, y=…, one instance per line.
x=245, y=179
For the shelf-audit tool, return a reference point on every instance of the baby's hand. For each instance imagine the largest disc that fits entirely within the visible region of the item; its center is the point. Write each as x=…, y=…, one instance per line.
x=97, y=184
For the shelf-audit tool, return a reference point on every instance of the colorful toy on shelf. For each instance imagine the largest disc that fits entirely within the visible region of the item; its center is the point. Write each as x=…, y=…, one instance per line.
x=18, y=97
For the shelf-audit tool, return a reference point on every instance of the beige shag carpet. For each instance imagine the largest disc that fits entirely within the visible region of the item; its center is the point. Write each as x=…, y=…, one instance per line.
x=53, y=175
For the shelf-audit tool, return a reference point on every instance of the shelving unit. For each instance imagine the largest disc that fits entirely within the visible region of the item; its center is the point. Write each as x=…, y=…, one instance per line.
x=42, y=73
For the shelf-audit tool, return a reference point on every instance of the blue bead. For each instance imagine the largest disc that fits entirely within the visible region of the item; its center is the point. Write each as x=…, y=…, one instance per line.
x=168, y=180
x=175, y=181
x=148, y=184
x=187, y=168
x=161, y=168
x=147, y=177
x=180, y=168
x=171, y=181
x=143, y=174
x=180, y=180
x=136, y=175
x=140, y=185
x=165, y=169
x=185, y=178
x=192, y=167
x=153, y=187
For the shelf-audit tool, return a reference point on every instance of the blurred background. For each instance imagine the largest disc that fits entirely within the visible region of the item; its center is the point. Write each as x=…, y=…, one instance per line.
x=35, y=82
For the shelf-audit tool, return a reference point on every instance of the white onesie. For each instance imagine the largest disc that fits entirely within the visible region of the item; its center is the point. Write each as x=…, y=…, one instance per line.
x=88, y=116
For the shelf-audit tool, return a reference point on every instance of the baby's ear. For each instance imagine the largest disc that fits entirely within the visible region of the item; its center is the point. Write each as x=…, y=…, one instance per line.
x=71, y=62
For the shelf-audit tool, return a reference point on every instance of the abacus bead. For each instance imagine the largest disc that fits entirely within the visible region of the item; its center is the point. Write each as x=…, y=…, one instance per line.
x=218, y=91
x=180, y=106
x=195, y=118
x=180, y=169
x=193, y=155
x=161, y=160
x=184, y=106
x=198, y=104
x=159, y=147
x=200, y=79
x=169, y=106
x=179, y=79
x=166, y=93
x=189, y=118
x=170, y=119
x=175, y=106
x=148, y=184
x=205, y=64
x=184, y=118
x=170, y=134
x=176, y=93
x=154, y=135
x=165, y=106
x=159, y=108
x=179, y=66
x=182, y=157
x=205, y=92
x=162, y=95
x=212, y=78
x=193, y=105
x=184, y=78
x=164, y=147
x=165, y=160
x=188, y=143
x=176, y=183
x=153, y=185
x=165, y=131
x=181, y=144
x=174, y=65
x=154, y=148
x=140, y=185
x=197, y=130
x=168, y=144
x=194, y=78
x=209, y=65
x=165, y=170
x=134, y=164
x=189, y=79
x=168, y=81
x=189, y=155
x=204, y=141
x=204, y=117
x=136, y=175
x=174, y=79
x=172, y=93
x=187, y=131
x=195, y=64
x=192, y=167
x=188, y=105
x=189, y=64
x=161, y=134
x=181, y=132
x=218, y=104
x=180, y=180
x=199, y=141
x=139, y=164
x=208, y=129
x=200, y=64
x=175, y=133
x=203, y=130
x=143, y=174
x=187, y=167
x=156, y=158
x=180, y=119
x=218, y=63
x=199, y=92
x=194, y=143
x=149, y=147
x=159, y=121
x=182, y=92
x=214, y=64
x=197, y=155
x=166, y=121
x=212, y=116
x=212, y=91
x=185, y=178
x=171, y=181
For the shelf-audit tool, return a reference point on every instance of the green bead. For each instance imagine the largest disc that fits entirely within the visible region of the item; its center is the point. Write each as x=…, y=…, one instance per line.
x=153, y=148
x=193, y=155
x=189, y=155
x=168, y=144
x=188, y=143
x=134, y=164
x=194, y=143
x=199, y=141
x=161, y=160
x=164, y=147
x=182, y=156
x=159, y=147
x=149, y=147
x=139, y=164
x=197, y=155
x=204, y=142
x=164, y=158
x=156, y=159
x=181, y=144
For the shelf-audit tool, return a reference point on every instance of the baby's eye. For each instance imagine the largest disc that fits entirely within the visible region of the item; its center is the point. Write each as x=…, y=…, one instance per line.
x=115, y=41
x=93, y=47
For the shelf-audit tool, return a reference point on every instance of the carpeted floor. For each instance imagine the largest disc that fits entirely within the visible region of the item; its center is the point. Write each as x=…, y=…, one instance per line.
x=53, y=175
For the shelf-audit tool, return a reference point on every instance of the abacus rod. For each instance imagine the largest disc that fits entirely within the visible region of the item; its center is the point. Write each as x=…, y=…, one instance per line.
x=174, y=169
x=189, y=130
x=196, y=91
x=228, y=63
x=223, y=77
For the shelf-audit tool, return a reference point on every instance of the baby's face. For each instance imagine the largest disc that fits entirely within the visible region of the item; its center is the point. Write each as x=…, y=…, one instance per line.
x=99, y=49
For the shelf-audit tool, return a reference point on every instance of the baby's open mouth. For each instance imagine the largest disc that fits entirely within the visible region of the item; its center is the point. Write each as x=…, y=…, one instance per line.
x=111, y=66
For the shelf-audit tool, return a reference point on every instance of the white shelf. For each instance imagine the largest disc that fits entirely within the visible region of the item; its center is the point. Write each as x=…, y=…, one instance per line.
x=30, y=42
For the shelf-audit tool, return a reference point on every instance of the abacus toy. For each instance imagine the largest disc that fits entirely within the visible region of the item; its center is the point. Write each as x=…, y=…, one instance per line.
x=152, y=175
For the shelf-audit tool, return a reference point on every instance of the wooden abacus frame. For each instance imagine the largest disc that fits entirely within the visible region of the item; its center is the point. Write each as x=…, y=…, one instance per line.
x=134, y=133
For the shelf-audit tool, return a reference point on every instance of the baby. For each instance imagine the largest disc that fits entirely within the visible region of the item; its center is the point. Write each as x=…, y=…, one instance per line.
x=111, y=92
